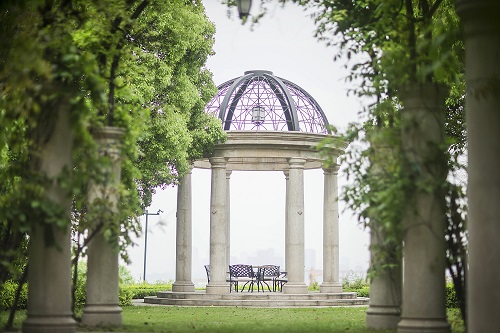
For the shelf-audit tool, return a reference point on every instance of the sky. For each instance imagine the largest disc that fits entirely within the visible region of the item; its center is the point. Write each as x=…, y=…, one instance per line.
x=283, y=43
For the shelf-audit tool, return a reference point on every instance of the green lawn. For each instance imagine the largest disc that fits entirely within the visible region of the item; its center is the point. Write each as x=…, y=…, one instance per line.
x=236, y=319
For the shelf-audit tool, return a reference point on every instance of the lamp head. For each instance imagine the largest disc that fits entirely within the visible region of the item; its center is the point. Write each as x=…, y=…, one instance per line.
x=244, y=8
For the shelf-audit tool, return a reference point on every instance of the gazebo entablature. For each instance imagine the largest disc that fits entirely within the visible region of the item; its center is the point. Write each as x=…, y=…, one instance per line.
x=270, y=150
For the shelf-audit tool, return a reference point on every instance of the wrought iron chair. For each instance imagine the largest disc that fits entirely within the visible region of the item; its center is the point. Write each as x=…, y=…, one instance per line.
x=241, y=273
x=280, y=280
x=267, y=273
x=228, y=279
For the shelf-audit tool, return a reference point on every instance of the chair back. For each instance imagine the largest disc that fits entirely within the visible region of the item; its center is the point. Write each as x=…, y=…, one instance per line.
x=241, y=271
x=270, y=271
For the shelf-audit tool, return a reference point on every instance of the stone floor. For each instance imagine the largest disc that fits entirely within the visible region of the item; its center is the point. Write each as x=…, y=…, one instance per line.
x=255, y=299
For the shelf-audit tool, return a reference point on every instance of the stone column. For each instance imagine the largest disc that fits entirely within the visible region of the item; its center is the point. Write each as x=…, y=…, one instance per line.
x=101, y=307
x=287, y=223
x=481, y=25
x=331, y=282
x=294, y=250
x=228, y=217
x=384, y=311
x=49, y=270
x=424, y=250
x=218, y=228
x=184, y=237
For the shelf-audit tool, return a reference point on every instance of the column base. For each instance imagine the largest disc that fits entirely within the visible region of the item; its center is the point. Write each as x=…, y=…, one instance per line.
x=383, y=317
x=183, y=286
x=413, y=325
x=299, y=288
x=217, y=288
x=330, y=287
x=49, y=324
x=102, y=315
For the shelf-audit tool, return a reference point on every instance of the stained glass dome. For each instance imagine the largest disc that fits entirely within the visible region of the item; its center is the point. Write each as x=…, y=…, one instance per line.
x=260, y=101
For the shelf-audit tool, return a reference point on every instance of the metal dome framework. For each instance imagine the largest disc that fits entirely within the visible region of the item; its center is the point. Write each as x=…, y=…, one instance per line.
x=260, y=101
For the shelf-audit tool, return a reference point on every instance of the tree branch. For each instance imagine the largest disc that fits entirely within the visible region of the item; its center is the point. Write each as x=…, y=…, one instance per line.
x=434, y=7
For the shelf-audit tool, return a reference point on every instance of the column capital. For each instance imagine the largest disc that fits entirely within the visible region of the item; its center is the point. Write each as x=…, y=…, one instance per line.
x=286, y=173
x=296, y=163
x=228, y=173
x=218, y=162
x=331, y=169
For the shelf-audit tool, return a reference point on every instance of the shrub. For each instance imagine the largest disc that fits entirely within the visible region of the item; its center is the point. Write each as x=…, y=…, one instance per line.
x=8, y=293
x=313, y=286
x=451, y=296
x=125, y=297
x=81, y=284
x=357, y=284
x=145, y=289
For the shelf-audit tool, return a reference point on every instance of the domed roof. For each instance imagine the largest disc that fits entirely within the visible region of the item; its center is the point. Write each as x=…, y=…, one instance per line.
x=260, y=101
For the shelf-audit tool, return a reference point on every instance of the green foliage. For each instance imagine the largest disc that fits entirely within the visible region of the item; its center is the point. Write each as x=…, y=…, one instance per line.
x=314, y=286
x=136, y=65
x=139, y=291
x=8, y=293
x=452, y=301
x=125, y=297
x=356, y=284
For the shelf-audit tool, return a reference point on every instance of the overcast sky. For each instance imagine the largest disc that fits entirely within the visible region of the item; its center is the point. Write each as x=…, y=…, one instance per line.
x=283, y=43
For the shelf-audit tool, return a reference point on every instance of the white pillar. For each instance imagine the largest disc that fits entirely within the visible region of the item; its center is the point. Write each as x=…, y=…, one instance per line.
x=331, y=282
x=294, y=247
x=101, y=306
x=228, y=217
x=183, y=237
x=287, y=226
x=424, y=248
x=218, y=228
x=481, y=25
x=49, y=270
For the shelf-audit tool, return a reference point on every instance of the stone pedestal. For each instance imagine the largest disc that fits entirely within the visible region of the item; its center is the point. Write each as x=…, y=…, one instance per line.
x=481, y=25
x=384, y=311
x=218, y=228
x=294, y=247
x=331, y=282
x=49, y=271
x=183, y=237
x=101, y=307
x=423, y=304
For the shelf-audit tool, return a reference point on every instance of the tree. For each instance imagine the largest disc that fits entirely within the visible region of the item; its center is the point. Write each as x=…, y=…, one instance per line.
x=103, y=61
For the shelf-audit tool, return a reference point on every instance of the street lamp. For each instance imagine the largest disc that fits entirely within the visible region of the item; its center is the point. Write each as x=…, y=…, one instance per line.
x=146, y=239
x=244, y=8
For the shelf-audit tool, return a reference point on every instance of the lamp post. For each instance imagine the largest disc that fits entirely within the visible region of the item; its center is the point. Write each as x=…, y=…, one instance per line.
x=244, y=8
x=146, y=240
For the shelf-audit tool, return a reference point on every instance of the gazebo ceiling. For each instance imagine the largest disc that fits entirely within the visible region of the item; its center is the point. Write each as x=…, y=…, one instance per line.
x=260, y=101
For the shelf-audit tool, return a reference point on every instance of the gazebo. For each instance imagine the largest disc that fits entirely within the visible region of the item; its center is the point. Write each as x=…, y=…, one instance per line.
x=271, y=124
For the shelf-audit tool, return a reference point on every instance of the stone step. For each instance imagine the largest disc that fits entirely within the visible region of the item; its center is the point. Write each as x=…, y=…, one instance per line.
x=255, y=295
x=256, y=299
x=256, y=302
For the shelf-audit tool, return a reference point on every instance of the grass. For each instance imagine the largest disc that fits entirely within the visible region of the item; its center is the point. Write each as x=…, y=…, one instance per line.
x=237, y=319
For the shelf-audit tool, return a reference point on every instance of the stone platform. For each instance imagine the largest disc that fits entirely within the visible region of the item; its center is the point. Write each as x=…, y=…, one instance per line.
x=256, y=299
